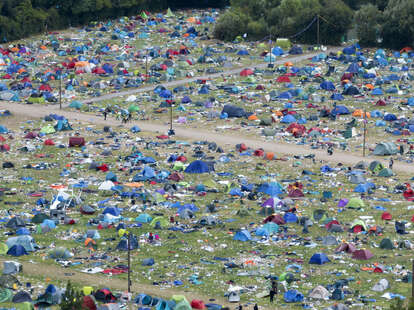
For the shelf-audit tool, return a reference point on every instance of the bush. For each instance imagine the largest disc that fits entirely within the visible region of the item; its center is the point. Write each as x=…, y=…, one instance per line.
x=230, y=25
x=368, y=21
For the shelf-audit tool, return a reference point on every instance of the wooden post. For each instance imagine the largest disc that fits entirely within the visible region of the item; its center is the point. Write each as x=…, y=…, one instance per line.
x=60, y=91
x=146, y=66
x=412, y=281
x=317, y=30
x=365, y=133
x=129, y=264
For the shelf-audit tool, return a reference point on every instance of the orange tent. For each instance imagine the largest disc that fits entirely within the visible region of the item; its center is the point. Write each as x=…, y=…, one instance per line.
x=369, y=86
x=43, y=47
x=191, y=20
x=288, y=64
x=360, y=113
x=252, y=117
x=270, y=156
x=14, y=49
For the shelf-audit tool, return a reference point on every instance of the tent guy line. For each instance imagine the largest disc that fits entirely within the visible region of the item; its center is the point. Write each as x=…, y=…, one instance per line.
x=346, y=158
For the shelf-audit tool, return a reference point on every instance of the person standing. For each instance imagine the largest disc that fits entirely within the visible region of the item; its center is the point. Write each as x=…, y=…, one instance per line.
x=391, y=163
x=105, y=113
x=256, y=307
x=401, y=150
x=272, y=295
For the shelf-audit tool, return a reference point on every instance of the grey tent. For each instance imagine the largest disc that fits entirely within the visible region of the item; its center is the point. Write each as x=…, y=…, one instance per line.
x=268, y=132
x=187, y=214
x=357, y=179
x=233, y=111
x=22, y=296
x=335, y=228
x=385, y=148
x=61, y=253
x=381, y=285
x=329, y=240
x=386, y=244
x=10, y=267
x=26, y=241
x=208, y=220
x=361, y=165
x=233, y=297
x=15, y=223
x=319, y=292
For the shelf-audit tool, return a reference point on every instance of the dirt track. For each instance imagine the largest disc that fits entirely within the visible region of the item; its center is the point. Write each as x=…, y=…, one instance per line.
x=38, y=111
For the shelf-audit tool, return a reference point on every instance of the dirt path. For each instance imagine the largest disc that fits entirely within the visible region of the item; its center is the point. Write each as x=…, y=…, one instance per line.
x=279, y=148
x=55, y=272
x=175, y=83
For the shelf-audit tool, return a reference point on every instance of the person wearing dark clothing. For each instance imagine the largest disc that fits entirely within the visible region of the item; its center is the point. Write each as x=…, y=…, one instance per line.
x=391, y=163
x=240, y=307
x=256, y=307
x=401, y=150
x=272, y=295
x=105, y=114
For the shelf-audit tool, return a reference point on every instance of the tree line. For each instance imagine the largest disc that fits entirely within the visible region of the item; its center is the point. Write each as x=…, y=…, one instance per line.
x=388, y=23
x=22, y=18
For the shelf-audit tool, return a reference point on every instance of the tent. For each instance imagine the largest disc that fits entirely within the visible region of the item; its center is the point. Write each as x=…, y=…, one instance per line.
x=159, y=221
x=17, y=250
x=198, y=166
x=362, y=255
x=375, y=166
x=385, y=148
x=386, y=172
x=292, y=296
x=242, y=235
x=319, y=292
x=233, y=111
x=319, y=259
x=386, y=244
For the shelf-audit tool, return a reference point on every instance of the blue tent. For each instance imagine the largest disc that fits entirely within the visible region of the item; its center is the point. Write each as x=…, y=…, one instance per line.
x=135, y=129
x=287, y=119
x=148, y=173
x=143, y=218
x=290, y=217
x=112, y=211
x=327, y=85
x=285, y=95
x=293, y=296
x=410, y=101
x=203, y=90
x=390, y=117
x=337, y=96
x=377, y=91
x=340, y=110
x=166, y=94
x=353, y=68
x=110, y=176
x=319, y=259
x=22, y=231
x=277, y=51
x=186, y=99
x=242, y=53
x=198, y=166
x=17, y=250
x=349, y=50
x=272, y=189
x=236, y=192
x=51, y=224
x=364, y=187
x=233, y=111
x=242, y=235
x=3, y=129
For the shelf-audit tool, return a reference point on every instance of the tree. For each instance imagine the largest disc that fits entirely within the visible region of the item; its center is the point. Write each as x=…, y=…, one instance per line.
x=71, y=299
x=231, y=24
x=368, y=21
x=398, y=27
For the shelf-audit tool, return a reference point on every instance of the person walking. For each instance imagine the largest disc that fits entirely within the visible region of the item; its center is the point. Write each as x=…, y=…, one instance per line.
x=391, y=163
x=401, y=150
x=105, y=113
x=256, y=307
x=272, y=295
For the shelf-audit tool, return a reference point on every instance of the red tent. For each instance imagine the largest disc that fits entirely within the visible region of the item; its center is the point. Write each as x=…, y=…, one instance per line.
x=381, y=103
x=89, y=303
x=258, y=152
x=49, y=142
x=45, y=87
x=246, y=72
x=331, y=223
x=274, y=218
x=103, y=167
x=283, y=79
x=197, y=304
x=296, y=193
x=346, y=247
x=30, y=135
x=176, y=177
x=181, y=158
x=2, y=139
x=76, y=141
x=386, y=216
x=362, y=254
x=347, y=76
x=98, y=70
x=7, y=76
x=4, y=147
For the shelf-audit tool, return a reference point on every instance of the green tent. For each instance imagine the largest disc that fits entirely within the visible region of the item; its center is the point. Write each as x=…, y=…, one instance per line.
x=271, y=227
x=163, y=222
x=144, y=15
x=5, y=295
x=386, y=172
x=359, y=222
x=268, y=132
x=48, y=129
x=283, y=43
x=178, y=166
x=386, y=244
x=76, y=105
x=355, y=203
x=242, y=212
x=133, y=108
x=36, y=100
x=183, y=305
x=266, y=121
x=39, y=218
x=375, y=166
x=169, y=13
